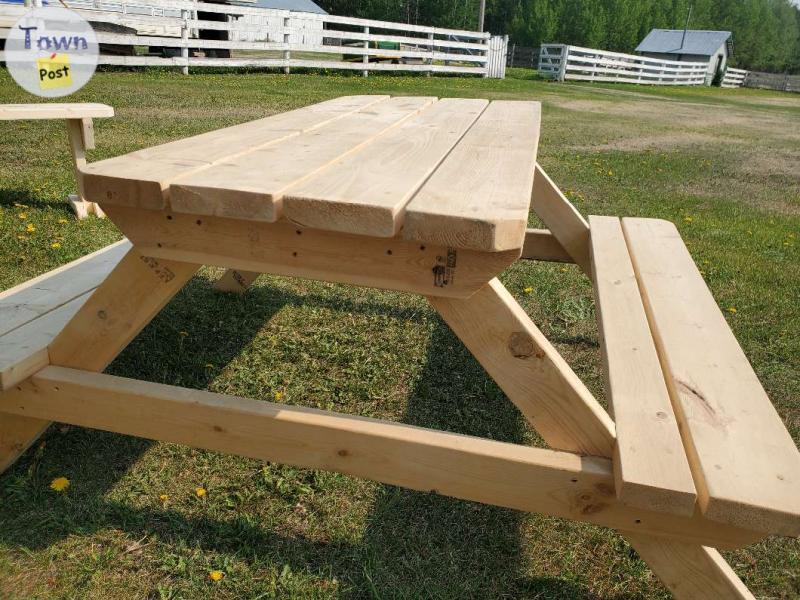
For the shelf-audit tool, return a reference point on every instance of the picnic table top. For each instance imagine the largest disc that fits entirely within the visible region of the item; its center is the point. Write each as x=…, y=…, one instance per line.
x=456, y=172
x=73, y=110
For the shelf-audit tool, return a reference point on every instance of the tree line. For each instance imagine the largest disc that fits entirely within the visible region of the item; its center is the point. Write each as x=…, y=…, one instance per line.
x=766, y=33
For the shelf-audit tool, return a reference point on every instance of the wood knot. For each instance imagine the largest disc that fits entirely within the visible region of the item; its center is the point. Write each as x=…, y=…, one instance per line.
x=343, y=453
x=218, y=428
x=101, y=314
x=521, y=345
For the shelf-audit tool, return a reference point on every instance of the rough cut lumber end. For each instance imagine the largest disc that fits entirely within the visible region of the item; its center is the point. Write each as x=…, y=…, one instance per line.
x=105, y=188
x=250, y=205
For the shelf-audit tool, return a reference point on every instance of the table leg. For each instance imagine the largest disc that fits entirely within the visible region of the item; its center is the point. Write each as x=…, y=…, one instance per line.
x=127, y=300
x=235, y=281
x=81, y=138
x=536, y=378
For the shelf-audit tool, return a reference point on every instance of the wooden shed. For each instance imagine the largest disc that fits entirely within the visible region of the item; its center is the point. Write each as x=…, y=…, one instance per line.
x=689, y=45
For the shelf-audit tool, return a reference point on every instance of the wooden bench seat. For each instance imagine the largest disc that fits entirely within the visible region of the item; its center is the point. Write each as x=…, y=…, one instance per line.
x=34, y=312
x=744, y=464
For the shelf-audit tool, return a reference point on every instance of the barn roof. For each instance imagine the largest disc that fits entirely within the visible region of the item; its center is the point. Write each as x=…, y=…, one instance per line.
x=668, y=41
x=295, y=5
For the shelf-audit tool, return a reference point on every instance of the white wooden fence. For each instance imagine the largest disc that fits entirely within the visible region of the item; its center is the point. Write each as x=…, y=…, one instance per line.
x=171, y=30
x=563, y=62
x=734, y=78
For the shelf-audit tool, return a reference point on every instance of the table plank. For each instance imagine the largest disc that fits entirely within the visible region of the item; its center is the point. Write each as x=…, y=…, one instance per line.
x=367, y=191
x=650, y=466
x=746, y=466
x=141, y=179
x=251, y=186
x=72, y=110
x=480, y=195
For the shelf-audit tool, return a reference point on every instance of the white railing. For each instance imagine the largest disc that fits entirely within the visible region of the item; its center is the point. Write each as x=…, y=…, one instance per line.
x=562, y=62
x=174, y=33
x=734, y=78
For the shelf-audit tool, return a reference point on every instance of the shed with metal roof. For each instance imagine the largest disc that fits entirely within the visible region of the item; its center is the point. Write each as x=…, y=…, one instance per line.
x=689, y=45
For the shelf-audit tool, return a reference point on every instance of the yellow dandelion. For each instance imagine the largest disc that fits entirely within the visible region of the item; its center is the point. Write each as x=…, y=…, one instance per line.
x=23, y=216
x=200, y=492
x=59, y=484
x=688, y=219
x=30, y=228
x=564, y=269
x=164, y=497
x=732, y=310
x=611, y=173
x=216, y=575
x=279, y=396
x=62, y=221
x=528, y=290
x=55, y=245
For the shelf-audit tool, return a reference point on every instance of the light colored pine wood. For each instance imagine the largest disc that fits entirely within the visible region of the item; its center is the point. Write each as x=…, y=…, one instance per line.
x=251, y=186
x=142, y=178
x=529, y=370
x=650, y=466
x=36, y=297
x=78, y=110
x=87, y=133
x=480, y=195
x=542, y=245
x=562, y=219
x=284, y=249
x=533, y=479
x=17, y=434
x=366, y=192
x=23, y=351
x=746, y=466
x=127, y=300
x=690, y=571
x=235, y=281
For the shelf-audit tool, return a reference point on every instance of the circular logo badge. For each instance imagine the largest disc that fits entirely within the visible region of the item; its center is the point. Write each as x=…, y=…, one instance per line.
x=51, y=52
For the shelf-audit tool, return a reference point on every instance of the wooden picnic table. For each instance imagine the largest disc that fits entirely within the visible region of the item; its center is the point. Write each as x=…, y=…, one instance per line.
x=431, y=197
x=80, y=132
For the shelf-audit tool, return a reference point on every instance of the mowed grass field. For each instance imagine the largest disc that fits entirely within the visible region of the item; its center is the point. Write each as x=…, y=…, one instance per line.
x=722, y=164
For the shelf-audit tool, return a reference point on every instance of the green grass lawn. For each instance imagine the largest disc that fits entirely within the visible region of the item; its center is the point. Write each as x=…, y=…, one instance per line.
x=722, y=164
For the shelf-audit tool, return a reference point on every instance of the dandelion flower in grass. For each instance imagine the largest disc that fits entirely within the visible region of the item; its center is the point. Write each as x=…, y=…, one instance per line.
x=59, y=484
x=216, y=575
x=55, y=245
x=688, y=219
x=62, y=221
x=22, y=216
x=30, y=228
x=164, y=497
x=279, y=396
x=528, y=290
x=732, y=310
x=200, y=492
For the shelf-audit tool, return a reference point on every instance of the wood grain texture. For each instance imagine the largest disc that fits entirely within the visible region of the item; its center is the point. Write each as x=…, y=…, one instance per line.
x=650, y=466
x=366, y=192
x=745, y=464
x=541, y=244
x=142, y=178
x=251, y=186
x=525, y=478
x=480, y=195
x=690, y=571
x=529, y=370
x=285, y=249
x=17, y=434
x=74, y=110
x=235, y=281
x=562, y=219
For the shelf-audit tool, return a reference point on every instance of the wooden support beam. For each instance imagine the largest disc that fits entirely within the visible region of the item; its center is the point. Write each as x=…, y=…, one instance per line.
x=498, y=332
x=235, y=281
x=284, y=248
x=531, y=479
x=541, y=244
x=561, y=218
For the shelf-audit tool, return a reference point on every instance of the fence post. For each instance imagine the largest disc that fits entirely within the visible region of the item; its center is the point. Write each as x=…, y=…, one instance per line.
x=365, y=58
x=287, y=55
x=185, y=41
x=431, y=50
x=562, y=67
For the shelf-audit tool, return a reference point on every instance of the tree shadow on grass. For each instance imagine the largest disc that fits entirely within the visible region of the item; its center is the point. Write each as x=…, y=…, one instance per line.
x=415, y=544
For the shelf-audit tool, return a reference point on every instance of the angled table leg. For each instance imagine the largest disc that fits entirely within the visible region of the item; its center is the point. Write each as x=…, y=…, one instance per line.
x=235, y=281
x=127, y=300
x=536, y=378
x=81, y=138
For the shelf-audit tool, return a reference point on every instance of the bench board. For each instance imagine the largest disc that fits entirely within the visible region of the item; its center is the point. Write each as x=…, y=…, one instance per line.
x=746, y=466
x=76, y=110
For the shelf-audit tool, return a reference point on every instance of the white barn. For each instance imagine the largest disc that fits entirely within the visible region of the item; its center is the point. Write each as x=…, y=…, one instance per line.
x=305, y=19
x=689, y=45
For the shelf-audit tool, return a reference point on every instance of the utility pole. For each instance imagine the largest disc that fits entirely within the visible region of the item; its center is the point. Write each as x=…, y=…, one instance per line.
x=481, y=15
x=686, y=27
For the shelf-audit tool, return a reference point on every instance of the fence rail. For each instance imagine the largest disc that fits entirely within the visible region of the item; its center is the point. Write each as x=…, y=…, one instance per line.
x=200, y=34
x=733, y=78
x=563, y=63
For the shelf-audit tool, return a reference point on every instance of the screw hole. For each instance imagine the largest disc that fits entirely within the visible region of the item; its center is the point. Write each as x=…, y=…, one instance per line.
x=638, y=521
x=199, y=222
x=158, y=244
x=574, y=480
x=294, y=253
x=422, y=247
x=389, y=252
x=169, y=217
x=298, y=232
